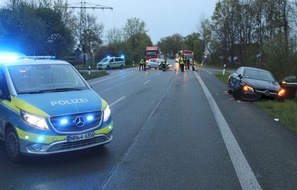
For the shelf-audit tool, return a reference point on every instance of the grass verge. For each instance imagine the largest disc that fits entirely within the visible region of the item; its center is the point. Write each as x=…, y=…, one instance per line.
x=92, y=75
x=285, y=112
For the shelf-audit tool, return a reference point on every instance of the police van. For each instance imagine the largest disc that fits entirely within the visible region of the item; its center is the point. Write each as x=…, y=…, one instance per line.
x=47, y=107
x=111, y=63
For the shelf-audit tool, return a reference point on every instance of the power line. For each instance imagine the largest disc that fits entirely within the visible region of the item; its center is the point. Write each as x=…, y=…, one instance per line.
x=83, y=6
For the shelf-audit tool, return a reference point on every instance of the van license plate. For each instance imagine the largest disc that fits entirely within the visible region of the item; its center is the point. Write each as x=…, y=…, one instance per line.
x=72, y=138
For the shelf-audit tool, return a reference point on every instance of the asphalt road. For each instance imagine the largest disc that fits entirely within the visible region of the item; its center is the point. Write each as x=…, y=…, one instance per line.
x=173, y=130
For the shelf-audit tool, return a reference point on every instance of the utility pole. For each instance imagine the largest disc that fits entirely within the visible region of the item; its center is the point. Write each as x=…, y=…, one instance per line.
x=83, y=6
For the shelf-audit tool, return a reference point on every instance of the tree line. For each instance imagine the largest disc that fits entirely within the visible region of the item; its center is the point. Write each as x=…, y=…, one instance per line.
x=259, y=33
x=45, y=27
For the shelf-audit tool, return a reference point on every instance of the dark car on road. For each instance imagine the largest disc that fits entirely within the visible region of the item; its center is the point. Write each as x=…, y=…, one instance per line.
x=250, y=84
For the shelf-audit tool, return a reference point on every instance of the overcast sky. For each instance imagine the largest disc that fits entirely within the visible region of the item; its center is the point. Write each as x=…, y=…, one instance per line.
x=162, y=17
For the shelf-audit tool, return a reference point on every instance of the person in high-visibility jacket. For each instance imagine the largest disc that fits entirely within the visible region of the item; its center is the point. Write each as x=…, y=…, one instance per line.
x=181, y=63
x=164, y=65
x=193, y=65
x=144, y=65
x=141, y=64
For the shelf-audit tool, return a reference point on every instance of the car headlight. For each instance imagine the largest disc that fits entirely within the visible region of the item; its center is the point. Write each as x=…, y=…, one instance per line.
x=34, y=120
x=281, y=92
x=247, y=88
x=106, y=113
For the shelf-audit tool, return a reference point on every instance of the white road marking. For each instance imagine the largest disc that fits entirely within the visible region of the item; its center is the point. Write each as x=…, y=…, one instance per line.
x=134, y=141
x=147, y=82
x=108, y=78
x=117, y=101
x=243, y=170
x=207, y=71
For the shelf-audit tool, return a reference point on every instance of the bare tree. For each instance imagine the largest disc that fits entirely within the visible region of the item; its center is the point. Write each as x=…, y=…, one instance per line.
x=114, y=36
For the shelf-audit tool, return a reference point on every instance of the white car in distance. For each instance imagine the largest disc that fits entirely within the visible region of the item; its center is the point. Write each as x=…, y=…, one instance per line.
x=156, y=63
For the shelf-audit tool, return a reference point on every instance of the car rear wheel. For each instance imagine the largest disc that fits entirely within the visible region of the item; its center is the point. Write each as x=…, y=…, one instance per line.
x=12, y=145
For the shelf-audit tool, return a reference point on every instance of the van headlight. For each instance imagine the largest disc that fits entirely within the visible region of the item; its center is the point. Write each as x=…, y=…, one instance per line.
x=34, y=120
x=106, y=113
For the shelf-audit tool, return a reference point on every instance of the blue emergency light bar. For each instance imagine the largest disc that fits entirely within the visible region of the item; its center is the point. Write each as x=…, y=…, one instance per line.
x=41, y=57
x=122, y=56
x=11, y=56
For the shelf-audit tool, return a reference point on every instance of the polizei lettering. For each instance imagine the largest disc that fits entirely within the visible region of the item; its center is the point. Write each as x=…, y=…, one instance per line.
x=70, y=101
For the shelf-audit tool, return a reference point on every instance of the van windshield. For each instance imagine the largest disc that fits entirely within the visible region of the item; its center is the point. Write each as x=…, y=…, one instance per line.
x=41, y=78
x=105, y=60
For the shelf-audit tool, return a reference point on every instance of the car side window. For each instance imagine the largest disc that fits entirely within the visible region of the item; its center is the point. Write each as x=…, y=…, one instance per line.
x=4, y=92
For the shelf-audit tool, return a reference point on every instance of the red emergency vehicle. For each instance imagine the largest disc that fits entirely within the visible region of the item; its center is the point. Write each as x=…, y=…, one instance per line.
x=187, y=54
x=152, y=52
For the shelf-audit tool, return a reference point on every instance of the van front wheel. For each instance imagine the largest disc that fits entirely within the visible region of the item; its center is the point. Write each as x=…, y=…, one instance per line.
x=12, y=145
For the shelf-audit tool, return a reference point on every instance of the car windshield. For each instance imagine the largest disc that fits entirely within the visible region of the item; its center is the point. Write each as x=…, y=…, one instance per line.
x=258, y=74
x=42, y=78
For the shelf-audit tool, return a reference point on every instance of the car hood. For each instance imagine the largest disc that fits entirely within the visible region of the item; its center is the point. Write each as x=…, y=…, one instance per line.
x=262, y=84
x=60, y=103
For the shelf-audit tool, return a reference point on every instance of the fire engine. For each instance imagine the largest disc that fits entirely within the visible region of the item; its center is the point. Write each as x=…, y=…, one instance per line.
x=152, y=52
x=187, y=54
